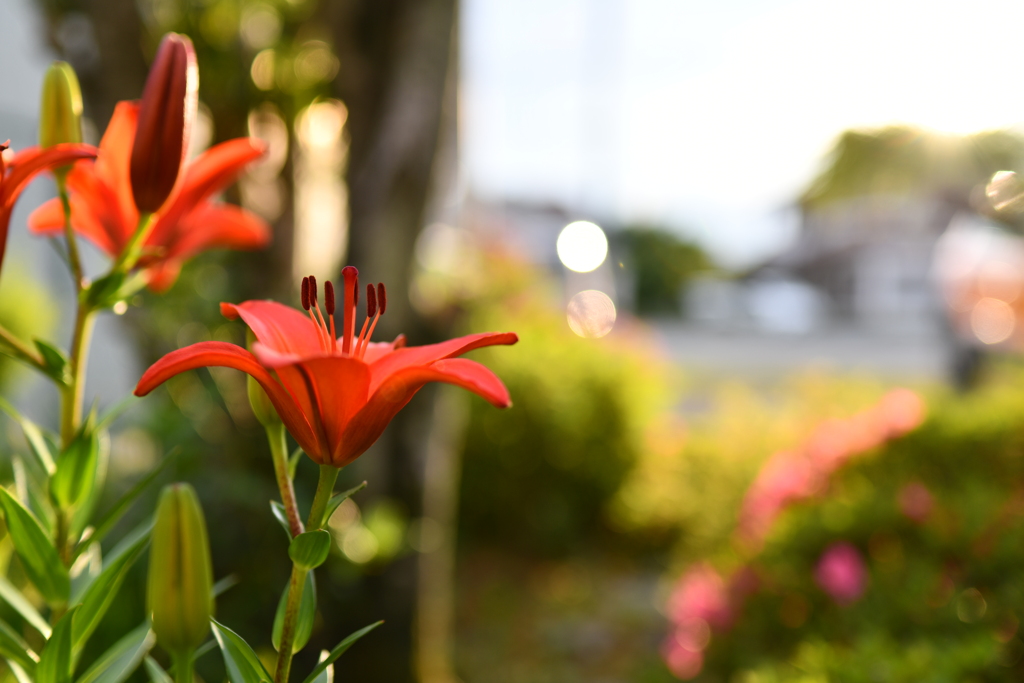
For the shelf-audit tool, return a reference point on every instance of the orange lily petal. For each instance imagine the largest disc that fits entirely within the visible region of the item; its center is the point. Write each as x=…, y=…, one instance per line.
x=209, y=173
x=422, y=355
x=369, y=423
x=223, y=354
x=210, y=226
x=280, y=328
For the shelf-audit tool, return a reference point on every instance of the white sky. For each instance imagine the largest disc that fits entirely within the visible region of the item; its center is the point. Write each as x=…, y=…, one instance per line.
x=711, y=116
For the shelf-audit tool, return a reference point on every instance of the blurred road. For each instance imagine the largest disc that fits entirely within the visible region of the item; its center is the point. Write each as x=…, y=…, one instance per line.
x=918, y=355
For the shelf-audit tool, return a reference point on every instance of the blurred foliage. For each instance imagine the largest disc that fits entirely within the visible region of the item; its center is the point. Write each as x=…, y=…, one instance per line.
x=906, y=160
x=943, y=598
x=663, y=264
x=693, y=473
x=538, y=477
x=286, y=51
x=26, y=309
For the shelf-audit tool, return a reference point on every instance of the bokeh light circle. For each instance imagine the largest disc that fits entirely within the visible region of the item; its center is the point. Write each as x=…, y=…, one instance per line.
x=992, y=320
x=582, y=246
x=591, y=314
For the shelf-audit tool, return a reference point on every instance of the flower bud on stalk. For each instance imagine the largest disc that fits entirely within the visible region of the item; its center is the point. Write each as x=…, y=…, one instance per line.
x=60, y=114
x=166, y=115
x=262, y=408
x=179, y=597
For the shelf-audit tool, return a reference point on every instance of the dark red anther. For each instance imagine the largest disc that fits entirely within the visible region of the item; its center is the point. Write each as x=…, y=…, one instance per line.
x=305, y=293
x=382, y=297
x=312, y=291
x=4, y=146
x=371, y=301
x=329, y=297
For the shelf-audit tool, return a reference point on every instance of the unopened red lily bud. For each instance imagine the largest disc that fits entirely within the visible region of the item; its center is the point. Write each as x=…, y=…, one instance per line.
x=166, y=115
x=60, y=114
x=179, y=588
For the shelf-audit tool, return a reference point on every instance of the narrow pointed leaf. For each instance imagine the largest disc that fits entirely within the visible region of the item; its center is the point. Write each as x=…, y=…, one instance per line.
x=13, y=648
x=114, y=514
x=156, y=672
x=36, y=443
x=55, y=661
x=293, y=461
x=337, y=500
x=54, y=361
x=304, y=620
x=13, y=597
x=97, y=598
x=242, y=664
x=339, y=651
x=281, y=516
x=83, y=512
x=20, y=674
x=37, y=554
x=122, y=659
x=327, y=675
x=225, y=584
x=73, y=481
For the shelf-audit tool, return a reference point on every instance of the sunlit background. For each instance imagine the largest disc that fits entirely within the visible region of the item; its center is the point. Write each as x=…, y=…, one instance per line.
x=766, y=264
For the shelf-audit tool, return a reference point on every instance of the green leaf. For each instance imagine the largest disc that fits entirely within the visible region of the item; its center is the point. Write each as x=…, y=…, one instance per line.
x=225, y=584
x=77, y=466
x=337, y=500
x=327, y=675
x=242, y=664
x=14, y=649
x=124, y=657
x=309, y=550
x=114, y=514
x=55, y=661
x=338, y=651
x=156, y=672
x=304, y=622
x=37, y=554
x=36, y=443
x=54, y=361
x=281, y=516
x=13, y=597
x=83, y=512
x=97, y=597
x=293, y=461
x=20, y=674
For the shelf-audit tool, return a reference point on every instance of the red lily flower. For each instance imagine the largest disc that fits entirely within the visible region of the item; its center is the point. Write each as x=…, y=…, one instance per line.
x=335, y=395
x=104, y=212
x=17, y=171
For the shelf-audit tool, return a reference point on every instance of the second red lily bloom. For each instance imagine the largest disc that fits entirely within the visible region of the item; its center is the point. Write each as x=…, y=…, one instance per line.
x=104, y=212
x=335, y=395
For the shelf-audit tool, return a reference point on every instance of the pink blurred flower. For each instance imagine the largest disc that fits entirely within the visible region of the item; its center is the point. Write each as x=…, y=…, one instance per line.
x=904, y=411
x=700, y=594
x=841, y=573
x=683, y=662
x=916, y=501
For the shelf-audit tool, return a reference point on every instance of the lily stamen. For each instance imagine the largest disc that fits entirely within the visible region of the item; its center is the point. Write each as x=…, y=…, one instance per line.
x=329, y=305
x=308, y=303
x=382, y=304
x=371, y=310
x=351, y=284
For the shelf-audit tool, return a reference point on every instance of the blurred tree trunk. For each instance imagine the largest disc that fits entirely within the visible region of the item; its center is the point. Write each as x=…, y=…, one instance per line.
x=397, y=56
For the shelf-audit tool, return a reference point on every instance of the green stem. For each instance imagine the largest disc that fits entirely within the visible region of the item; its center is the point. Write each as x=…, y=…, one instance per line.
x=21, y=350
x=69, y=234
x=277, y=437
x=131, y=252
x=291, y=617
x=182, y=667
x=71, y=405
x=324, y=489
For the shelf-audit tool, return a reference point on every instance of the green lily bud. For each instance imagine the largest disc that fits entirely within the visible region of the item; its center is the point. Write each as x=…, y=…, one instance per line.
x=179, y=590
x=262, y=408
x=60, y=114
